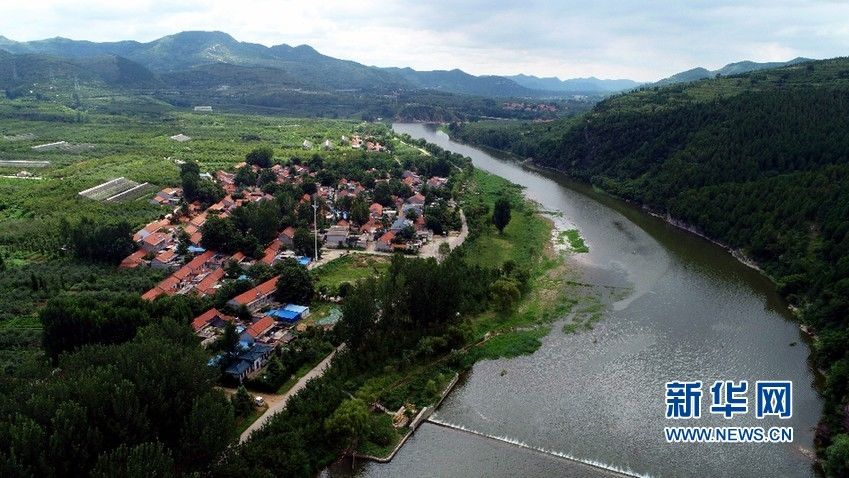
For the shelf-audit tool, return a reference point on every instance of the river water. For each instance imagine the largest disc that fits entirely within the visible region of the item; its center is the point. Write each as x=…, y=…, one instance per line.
x=692, y=312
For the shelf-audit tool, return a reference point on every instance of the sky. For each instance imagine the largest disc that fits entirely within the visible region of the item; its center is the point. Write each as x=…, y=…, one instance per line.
x=643, y=40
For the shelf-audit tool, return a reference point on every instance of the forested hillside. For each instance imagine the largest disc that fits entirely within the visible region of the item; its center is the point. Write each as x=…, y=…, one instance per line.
x=759, y=162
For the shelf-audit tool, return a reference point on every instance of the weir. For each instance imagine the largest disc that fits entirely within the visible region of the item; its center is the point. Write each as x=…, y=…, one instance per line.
x=597, y=465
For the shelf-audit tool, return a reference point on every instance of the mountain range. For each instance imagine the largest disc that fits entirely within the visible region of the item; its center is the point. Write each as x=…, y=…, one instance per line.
x=215, y=68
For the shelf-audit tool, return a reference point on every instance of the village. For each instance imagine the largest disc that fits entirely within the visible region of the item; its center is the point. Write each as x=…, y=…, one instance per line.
x=330, y=219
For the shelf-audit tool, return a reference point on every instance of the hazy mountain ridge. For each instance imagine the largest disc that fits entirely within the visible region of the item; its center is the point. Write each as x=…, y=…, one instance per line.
x=574, y=85
x=188, y=50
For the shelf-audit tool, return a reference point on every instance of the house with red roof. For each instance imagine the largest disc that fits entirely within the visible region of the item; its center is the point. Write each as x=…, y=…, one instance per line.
x=165, y=259
x=155, y=242
x=287, y=237
x=133, y=260
x=255, y=298
x=169, y=286
x=270, y=255
x=211, y=317
x=210, y=283
x=384, y=243
x=154, y=226
x=376, y=210
x=260, y=327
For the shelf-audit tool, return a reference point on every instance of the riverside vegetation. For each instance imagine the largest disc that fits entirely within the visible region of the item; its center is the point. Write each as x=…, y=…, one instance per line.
x=757, y=162
x=97, y=382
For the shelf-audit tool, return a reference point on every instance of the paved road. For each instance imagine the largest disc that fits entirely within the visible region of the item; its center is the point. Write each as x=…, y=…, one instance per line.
x=280, y=404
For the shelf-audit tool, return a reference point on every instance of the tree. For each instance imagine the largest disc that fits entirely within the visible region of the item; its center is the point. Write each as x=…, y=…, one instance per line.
x=183, y=242
x=261, y=157
x=243, y=405
x=218, y=234
x=359, y=211
x=245, y=176
x=144, y=460
x=71, y=321
x=229, y=339
x=837, y=457
x=196, y=189
x=102, y=242
x=295, y=285
x=304, y=243
x=501, y=213
x=505, y=293
x=349, y=422
x=383, y=193
x=309, y=186
x=359, y=314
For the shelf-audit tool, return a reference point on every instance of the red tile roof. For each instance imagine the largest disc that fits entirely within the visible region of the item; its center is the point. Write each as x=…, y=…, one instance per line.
x=271, y=251
x=204, y=319
x=133, y=260
x=260, y=327
x=260, y=291
x=155, y=238
x=194, y=265
x=387, y=237
x=166, y=256
x=207, y=285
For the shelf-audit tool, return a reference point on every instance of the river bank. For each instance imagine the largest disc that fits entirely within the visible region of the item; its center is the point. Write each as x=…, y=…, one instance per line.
x=682, y=307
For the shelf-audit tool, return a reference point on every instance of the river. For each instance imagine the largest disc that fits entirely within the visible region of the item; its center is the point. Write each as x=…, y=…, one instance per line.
x=692, y=312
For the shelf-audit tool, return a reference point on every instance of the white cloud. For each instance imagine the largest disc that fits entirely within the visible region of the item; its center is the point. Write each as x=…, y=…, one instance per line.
x=643, y=40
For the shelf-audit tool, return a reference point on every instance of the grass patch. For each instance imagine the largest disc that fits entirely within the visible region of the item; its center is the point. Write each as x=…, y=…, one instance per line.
x=349, y=268
x=573, y=237
x=508, y=345
x=242, y=423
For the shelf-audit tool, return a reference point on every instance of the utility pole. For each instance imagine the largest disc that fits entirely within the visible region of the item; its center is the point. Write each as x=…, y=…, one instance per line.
x=315, y=228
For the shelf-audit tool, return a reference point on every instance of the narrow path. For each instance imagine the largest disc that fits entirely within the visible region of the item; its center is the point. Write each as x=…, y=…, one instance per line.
x=280, y=404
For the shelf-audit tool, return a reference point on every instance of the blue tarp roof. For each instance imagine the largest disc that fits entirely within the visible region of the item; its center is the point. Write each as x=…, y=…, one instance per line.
x=283, y=314
x=304, y=260
x=297, y=308
x=195, y=249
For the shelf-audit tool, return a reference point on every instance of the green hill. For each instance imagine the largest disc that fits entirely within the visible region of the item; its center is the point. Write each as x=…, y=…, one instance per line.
x=759, y=162
x=737, y=68
x=41, y=71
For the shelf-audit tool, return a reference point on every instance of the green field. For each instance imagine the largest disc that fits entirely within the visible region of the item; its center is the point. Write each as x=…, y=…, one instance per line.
x=350, y=269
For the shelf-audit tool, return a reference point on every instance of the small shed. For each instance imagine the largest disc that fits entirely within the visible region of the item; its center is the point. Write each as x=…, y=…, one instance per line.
x=301, y=310
x=283, y=315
